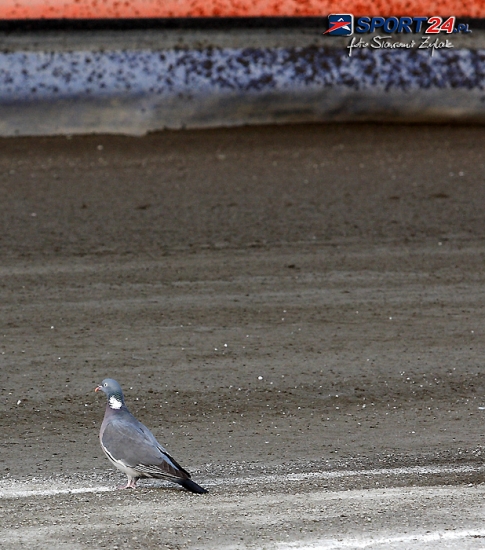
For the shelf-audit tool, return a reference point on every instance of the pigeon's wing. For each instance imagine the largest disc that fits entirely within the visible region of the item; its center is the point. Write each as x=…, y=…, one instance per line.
x=128, y=441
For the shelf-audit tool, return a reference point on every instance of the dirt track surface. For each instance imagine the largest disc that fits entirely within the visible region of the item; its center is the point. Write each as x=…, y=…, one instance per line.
x=287, y=308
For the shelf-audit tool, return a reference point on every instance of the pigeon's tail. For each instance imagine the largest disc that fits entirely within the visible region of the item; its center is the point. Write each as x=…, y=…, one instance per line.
x=192, y=486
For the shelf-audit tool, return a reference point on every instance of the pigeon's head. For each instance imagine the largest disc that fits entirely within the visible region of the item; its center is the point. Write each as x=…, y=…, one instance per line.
x=113, y=392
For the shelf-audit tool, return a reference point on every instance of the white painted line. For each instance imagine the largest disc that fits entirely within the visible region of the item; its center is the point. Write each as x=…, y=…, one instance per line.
x=11, y=489
x=437, y=536
x=11, y=492
x=341, y=474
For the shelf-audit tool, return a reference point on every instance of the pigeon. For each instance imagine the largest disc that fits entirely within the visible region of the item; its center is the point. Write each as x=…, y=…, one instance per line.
x=132, y=448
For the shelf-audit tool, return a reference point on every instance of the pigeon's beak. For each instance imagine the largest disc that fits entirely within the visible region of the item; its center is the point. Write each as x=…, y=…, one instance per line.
x=98, y=388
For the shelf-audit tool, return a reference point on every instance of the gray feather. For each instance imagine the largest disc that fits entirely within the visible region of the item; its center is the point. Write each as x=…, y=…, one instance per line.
x=129, y=441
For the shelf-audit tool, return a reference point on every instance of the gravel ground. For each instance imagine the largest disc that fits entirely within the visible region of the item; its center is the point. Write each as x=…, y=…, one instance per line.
x=287, y=308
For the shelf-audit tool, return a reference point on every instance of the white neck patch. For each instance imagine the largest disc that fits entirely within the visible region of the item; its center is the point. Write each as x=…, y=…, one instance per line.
x=115, y=403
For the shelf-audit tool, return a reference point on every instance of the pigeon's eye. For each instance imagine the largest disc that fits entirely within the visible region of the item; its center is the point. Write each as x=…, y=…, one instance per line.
x=105, y=385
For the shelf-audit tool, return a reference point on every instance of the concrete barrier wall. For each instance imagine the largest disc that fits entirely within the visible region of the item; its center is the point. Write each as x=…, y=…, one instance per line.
x=131, y=80
x=36, y=9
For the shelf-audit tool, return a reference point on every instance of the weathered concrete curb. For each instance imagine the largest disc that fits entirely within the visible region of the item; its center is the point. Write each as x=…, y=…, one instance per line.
x=91, y=83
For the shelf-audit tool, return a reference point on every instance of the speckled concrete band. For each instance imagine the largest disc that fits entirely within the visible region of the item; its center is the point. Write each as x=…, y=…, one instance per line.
x=82, y=87
x=27, y=76
x=135, y=92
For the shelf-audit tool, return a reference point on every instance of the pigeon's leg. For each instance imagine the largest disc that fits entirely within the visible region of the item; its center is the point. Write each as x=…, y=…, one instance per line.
x=130, y=485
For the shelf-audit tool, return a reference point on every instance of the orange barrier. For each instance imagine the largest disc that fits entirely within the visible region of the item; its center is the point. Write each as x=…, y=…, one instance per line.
x=101, y=9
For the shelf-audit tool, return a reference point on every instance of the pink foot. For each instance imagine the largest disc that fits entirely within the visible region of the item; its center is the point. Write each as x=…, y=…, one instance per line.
x=130, y=485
